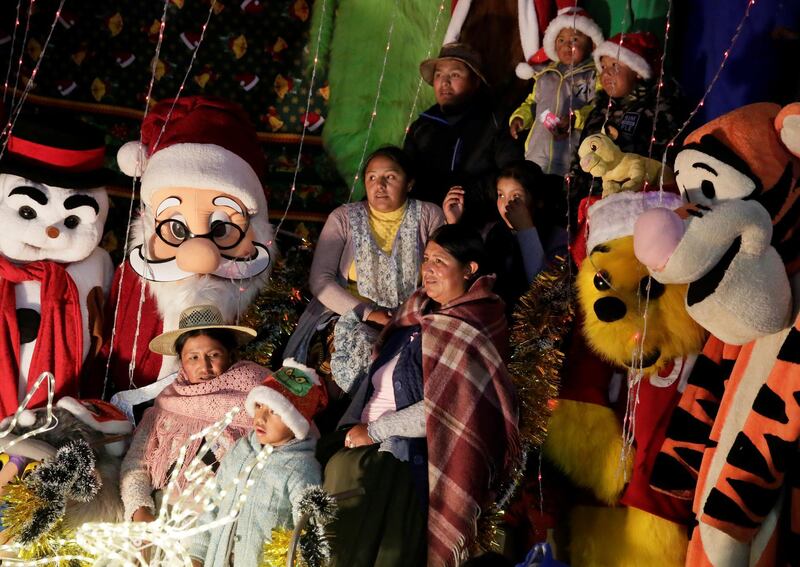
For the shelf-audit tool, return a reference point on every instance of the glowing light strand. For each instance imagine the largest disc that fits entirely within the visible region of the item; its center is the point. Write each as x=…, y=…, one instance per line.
x=178, y=518
x=21, y=52
x=135, y=347
x=412, y=113
x=377, y=99
x=140, y=159
x=660, y=85
x=725, y=55
x=11, y=51
x=15, y=112
x=305, y=123
x=186, y=75
x=51, y=420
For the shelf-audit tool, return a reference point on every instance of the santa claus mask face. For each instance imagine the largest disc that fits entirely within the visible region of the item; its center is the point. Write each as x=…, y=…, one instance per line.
x=44, y=222
x=200, y=231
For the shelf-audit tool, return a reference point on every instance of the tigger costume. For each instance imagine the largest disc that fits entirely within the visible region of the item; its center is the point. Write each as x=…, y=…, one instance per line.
x=732, y=445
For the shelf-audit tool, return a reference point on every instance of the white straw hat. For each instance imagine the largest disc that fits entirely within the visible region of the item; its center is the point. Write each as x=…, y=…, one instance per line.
x=196, y=318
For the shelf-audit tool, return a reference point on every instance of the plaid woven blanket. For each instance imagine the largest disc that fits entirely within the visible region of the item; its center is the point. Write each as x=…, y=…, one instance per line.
x=471, y=412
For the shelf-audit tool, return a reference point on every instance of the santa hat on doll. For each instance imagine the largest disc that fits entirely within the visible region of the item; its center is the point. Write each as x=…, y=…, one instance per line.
x=638, y=50
x=202, y=142
x=567, y=18
x=293, y=392
x=604, y=220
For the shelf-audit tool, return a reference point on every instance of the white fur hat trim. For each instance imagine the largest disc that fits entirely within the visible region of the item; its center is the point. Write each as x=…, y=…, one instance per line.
x=636, y=62
x=614, y=216
x=278, y=403
x=111, y=427
x=571, y=17
x=524, y=71
x=200, y=166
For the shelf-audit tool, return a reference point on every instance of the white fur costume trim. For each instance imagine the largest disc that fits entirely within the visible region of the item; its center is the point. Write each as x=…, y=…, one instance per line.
x=528, y=23
x=636, y=62
x=528, y=31
x=112, y=427
x=278, y=403
x=457, y=21
x=615, y=216
x=571, y=17
x=202, y=166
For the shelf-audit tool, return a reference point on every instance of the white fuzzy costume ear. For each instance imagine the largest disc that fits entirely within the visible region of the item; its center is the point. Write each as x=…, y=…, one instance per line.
x=787, y=123
x=132, y=159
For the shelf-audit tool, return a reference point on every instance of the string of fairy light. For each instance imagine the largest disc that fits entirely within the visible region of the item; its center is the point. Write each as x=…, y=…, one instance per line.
x=21, y=52
x=374, y=112
x=413, y=112
x=139, y=160
x=15, y=112
x=11, y=52
x=293, y=188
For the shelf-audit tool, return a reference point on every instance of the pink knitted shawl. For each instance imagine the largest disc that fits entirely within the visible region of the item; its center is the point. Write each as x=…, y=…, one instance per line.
x=184, y=409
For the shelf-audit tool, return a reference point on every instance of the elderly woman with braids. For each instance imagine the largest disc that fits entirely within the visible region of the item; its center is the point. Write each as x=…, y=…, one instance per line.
x=432, y=428
x=209, y=384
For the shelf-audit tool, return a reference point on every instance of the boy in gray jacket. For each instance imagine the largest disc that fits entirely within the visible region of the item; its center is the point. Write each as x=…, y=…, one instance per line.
x=282, y=409
x=567, y=84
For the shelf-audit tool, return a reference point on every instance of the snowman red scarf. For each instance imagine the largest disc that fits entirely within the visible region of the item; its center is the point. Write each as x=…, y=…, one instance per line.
x=59, y=343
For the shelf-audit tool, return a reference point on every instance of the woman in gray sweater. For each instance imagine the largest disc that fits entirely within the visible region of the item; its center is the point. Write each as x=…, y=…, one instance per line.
x=368, y=256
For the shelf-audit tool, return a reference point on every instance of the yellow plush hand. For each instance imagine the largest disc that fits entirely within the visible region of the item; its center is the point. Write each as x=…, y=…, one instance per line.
x=585, y=441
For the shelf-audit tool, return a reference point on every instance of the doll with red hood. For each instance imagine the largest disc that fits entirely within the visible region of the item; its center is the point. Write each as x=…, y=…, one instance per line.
x=732, y=446
x=202, y=235
x=54, y=277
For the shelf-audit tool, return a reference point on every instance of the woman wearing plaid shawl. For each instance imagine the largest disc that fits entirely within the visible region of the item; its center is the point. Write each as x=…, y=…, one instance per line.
x=436, y=422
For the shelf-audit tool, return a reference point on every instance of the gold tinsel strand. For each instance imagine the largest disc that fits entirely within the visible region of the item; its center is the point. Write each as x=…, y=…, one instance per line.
x=21, y=502
x=542, y=319
x=275, y=310
x=274, y=552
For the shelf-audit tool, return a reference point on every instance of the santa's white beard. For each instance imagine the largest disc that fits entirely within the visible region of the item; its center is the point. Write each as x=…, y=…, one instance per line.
x=231, y=297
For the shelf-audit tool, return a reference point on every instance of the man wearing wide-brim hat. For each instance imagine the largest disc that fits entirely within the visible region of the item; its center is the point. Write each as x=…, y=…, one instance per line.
x=54, y=277
x=459, y=144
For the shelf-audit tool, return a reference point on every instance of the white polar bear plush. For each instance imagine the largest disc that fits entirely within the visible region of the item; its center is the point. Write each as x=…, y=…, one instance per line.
x=53, y=276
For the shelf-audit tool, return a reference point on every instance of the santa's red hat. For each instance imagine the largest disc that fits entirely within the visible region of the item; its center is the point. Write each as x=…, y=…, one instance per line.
x=293, y=392
x=201, y=142
x=638, y=50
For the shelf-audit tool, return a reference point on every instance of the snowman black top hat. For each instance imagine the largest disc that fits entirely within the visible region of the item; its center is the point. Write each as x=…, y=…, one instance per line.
x=56, y=150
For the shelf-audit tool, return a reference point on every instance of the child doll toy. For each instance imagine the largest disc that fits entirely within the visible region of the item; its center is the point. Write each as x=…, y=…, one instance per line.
x=54, y=277
x=565, y=85
x=282, y=409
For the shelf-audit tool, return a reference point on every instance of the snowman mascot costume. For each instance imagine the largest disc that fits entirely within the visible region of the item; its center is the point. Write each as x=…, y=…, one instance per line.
x=53, y=276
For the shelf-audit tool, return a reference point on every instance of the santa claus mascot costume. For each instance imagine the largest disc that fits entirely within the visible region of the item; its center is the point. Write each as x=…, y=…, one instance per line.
x=53, y=276
x=202, y=235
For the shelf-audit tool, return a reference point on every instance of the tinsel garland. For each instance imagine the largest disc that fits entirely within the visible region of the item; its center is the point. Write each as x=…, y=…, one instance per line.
x=316, y=510
x=275, y=310
x=542, y=320
x=21, y=504
x=275, y=551
x=36, y=503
